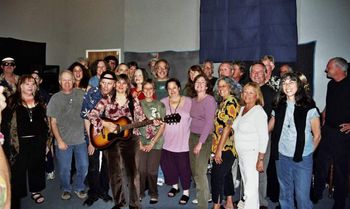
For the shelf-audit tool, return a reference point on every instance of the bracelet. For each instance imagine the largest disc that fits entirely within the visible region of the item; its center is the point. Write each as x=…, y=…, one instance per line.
x=2, y=139
x=261, y=159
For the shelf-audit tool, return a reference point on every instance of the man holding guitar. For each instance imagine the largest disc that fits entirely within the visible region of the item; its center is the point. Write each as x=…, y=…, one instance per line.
x=98, y=172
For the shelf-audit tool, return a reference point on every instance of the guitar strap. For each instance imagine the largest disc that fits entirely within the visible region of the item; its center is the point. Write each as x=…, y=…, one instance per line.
x=131, y=105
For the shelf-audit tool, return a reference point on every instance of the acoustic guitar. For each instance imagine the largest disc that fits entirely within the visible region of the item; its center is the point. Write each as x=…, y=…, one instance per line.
x=124, y=129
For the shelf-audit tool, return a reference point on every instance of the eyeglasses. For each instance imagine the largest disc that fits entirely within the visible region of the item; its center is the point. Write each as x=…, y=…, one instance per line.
x=290, y=83
x=8, y=64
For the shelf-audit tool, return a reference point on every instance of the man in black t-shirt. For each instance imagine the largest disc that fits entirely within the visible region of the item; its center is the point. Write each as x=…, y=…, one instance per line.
x=335, y=142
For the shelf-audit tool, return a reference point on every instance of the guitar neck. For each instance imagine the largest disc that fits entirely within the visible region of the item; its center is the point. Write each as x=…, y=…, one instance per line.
x=136, y=124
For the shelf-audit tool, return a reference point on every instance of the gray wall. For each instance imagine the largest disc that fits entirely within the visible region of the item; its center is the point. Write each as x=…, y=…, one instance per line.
x=70, y=27
x=161, y=25
x=67, y=27
x=328, y=23
x=40, y=21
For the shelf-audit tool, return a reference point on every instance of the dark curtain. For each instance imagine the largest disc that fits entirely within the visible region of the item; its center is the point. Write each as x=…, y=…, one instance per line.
x=248, y=30
x=26, y=53
x=305, y=62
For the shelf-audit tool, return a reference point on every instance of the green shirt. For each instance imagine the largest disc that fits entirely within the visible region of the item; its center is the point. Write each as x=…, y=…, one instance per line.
x=152, y=110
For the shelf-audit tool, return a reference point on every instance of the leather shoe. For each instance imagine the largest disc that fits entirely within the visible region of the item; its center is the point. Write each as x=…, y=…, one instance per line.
x=90, y=201
x=105, y=197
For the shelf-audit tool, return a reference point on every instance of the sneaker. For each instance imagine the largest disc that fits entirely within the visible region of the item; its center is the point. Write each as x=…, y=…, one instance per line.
x=241, y=204
x=66, y=196
x=81, y=194
x=160, y=181
x=195, y=201
x=50, y=176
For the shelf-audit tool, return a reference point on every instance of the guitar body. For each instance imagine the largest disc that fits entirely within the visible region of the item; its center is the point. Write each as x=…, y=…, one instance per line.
x=106, y=138
x=124, y=126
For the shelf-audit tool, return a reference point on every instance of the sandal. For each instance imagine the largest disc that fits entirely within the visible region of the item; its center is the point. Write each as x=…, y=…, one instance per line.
x=184, y=199
x=37, y=197
x=153, y=200
x=172, y=192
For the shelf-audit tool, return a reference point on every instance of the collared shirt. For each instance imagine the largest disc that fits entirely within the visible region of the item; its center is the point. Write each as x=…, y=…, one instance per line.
x=112, y=110
x=91, y=98
x=225, y=115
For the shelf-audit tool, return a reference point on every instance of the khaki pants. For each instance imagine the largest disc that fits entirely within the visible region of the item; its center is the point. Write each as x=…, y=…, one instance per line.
x=199, y=165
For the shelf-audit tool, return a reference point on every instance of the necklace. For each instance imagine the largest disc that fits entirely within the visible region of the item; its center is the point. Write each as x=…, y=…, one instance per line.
x=246, y=109
x=175, y=107
x=30, y=112
x=289, y=120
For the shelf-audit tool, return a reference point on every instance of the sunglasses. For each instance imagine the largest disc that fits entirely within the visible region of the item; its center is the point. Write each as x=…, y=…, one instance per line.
x=8, y=64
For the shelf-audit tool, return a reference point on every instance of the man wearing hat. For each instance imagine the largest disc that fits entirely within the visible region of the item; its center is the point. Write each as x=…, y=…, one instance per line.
x=7, y=78
x=97, y=177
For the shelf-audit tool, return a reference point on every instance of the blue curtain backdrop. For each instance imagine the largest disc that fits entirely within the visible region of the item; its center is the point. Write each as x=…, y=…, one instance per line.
x=248, y=29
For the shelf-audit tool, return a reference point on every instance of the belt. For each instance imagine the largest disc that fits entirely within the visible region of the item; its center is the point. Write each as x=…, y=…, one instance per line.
x=25, y=137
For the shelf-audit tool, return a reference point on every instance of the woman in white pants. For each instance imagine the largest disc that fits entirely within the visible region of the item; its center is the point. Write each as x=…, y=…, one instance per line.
x=251, y=137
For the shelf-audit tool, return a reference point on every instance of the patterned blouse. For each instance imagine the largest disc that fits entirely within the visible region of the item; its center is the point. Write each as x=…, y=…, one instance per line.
x=9, y=88
x=91, y=98
x=274, y=83
x=106, y=108
x=224, y=116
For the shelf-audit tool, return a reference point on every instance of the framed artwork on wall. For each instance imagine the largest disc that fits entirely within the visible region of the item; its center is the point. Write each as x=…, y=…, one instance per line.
x=95, y=54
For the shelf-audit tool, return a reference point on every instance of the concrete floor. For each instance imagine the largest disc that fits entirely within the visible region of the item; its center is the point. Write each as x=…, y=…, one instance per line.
x=53, y=201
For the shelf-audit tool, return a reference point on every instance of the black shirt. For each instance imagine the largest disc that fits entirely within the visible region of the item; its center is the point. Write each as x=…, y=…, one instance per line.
x=31, y=121
x=337, y=103
x=269, y=96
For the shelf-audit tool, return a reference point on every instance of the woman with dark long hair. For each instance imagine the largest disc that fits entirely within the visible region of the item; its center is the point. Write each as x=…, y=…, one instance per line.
x=192, y=72
x=81, y=76
x=123, y=154
x=296, y=134
x=26, y=129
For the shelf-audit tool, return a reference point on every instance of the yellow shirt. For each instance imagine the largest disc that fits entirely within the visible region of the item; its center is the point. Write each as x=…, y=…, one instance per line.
x=225, y=115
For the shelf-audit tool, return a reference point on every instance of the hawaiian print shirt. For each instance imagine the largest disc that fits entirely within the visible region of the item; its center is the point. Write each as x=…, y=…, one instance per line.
x=225, y=115
x=112, y=110
x=91, y=98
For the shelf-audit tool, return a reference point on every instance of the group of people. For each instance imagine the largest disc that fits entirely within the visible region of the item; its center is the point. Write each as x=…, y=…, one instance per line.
x=125, y=122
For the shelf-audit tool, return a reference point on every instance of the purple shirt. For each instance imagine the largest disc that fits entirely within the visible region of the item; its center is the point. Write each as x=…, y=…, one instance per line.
x=203, y=114
x=176, y=136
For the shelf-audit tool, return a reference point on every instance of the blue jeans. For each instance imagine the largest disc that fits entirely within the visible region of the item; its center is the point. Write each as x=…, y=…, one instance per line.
x=294, y=176
x=64, y=161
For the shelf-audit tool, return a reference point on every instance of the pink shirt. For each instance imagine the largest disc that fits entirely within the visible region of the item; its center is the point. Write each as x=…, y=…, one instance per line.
x=176, y=136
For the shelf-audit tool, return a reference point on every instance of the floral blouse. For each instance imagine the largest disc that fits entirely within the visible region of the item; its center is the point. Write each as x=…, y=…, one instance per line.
x=274, y=83
x=91, y=98
x=9, y=88
x=106, y=108
x=224, y=116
